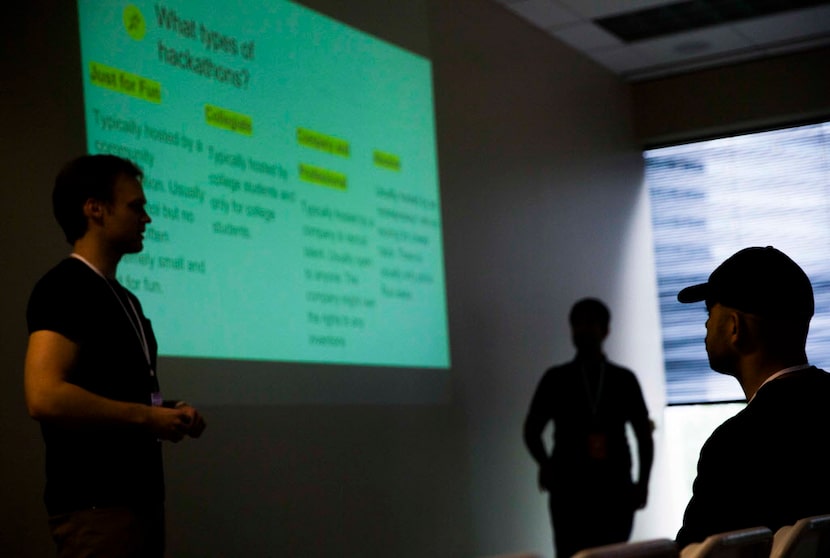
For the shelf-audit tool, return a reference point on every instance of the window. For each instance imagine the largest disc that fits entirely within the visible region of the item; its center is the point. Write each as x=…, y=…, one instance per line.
x=710, y=199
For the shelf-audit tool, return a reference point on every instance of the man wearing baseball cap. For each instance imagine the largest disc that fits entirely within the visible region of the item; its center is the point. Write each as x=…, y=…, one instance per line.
x=768, y=465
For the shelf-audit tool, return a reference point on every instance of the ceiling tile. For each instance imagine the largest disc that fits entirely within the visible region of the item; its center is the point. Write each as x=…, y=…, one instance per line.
x=592, y=9
x=572, y=22
x=586, y=36
x=543, y=13
x=621, y=60
x=787, y=26
x=698, y=44
x=774, y=49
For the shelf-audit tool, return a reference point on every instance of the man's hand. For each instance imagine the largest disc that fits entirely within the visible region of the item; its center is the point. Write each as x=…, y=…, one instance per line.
x=197, y=422
x=544, y=477
x=640, y=495
x=168, y=424
x=174, y=424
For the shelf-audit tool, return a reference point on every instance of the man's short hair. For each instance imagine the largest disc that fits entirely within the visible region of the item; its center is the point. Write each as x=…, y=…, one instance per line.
x=87, y=176
x=591, y=309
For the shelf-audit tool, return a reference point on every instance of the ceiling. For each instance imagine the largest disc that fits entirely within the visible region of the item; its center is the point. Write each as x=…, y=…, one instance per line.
x=646, y=39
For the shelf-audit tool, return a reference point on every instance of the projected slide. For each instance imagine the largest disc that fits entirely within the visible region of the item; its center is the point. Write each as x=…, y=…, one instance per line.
x=291, y=176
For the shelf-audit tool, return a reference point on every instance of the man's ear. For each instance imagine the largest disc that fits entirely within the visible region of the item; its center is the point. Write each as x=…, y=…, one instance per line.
x=748, y=336
x=93, y=208
x=736, y=327
x=742, y=331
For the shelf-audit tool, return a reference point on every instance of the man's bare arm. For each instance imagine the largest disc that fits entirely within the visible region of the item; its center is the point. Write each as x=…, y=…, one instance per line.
x=50, y=357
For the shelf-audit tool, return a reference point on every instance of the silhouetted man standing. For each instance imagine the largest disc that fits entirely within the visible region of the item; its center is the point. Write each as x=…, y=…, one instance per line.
x=587, y=475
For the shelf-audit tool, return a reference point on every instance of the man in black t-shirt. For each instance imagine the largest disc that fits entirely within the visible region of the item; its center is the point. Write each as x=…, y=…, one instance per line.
x=90, y=373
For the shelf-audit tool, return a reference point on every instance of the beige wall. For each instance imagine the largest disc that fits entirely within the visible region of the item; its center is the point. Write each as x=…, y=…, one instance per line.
x=752, y=96
x=542, y=203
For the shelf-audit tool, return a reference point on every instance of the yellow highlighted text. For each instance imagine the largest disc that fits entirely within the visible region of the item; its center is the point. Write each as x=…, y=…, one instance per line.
x=229, y=120
x=124, y=82
x=322, y=142
x=387, y=161
x=322, y=177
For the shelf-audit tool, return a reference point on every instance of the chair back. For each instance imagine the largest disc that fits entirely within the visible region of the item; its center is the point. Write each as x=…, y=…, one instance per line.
x=515, y=555
x=809, y=537
x=754, y=542
x=653, y=548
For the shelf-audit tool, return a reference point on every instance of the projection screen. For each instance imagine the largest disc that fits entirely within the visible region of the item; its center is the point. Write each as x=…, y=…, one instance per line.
x=290, y=164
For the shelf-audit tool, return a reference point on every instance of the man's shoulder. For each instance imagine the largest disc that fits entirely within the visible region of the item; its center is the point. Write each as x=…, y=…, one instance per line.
x=618, y=368
x=64, y=283
x=64, y=270
x=818, y=373
x=557, y=370
x=572, y=367
x=817, y=377
x=799, y=380
x=556, y=374
x=802, y=388
x=562, y=366
x=784, y=409
x=621, y=373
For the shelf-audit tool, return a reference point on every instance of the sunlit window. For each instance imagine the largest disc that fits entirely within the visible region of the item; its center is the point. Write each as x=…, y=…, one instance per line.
x=710, y=199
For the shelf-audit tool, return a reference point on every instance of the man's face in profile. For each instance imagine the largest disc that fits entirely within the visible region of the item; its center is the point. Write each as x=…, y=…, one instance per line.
x=587, y=333
x=125, y=217
x=718, y=331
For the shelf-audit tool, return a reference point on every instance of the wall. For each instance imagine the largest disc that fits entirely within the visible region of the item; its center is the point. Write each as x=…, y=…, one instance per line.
x=778, y=91
x=542, y=204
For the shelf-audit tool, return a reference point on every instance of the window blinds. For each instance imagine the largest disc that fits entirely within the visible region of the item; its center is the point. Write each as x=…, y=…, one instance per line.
x=712, y=198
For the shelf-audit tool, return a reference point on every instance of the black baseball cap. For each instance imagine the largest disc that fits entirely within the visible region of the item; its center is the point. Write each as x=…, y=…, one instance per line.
x=758, y=280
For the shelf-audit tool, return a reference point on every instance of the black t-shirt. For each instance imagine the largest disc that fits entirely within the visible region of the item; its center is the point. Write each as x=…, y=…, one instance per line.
x=582, y=412
x=98, y=465
x=767, y=465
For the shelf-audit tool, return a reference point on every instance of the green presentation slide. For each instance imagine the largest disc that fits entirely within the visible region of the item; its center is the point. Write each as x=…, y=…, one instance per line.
x=291, y=176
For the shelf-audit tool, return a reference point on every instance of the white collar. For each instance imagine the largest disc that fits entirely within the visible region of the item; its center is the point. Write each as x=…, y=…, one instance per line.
x=779, y=374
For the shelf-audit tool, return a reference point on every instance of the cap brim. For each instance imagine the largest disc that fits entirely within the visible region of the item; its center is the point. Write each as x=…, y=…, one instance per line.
x=695, y=293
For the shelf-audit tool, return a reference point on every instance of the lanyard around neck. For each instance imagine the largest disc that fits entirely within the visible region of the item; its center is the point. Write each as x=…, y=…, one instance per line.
x=133, y=318
x=593, y=399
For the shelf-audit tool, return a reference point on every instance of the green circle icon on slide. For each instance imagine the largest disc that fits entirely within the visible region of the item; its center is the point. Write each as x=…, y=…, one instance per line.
x=134, y=22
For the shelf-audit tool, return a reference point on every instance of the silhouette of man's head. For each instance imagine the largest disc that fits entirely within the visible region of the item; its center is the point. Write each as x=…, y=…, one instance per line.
x=589, y=319
x=770, y=292
x=88, y=176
